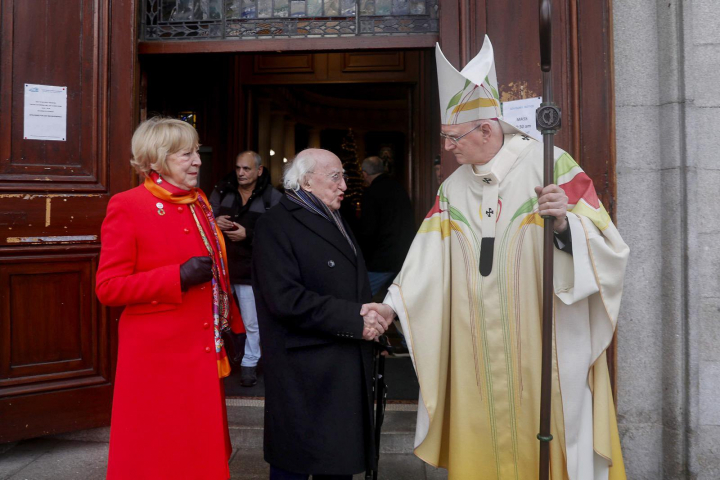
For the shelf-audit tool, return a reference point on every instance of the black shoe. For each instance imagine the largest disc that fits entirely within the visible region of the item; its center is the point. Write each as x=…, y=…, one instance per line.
x=248, y=376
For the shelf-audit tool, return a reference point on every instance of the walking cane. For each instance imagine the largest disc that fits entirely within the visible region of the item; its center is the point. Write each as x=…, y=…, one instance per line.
x=380, y=393
x=548, y=122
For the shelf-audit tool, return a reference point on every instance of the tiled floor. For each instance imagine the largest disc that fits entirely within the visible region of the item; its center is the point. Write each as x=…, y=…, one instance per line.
x=58, y=459
x=83, y=455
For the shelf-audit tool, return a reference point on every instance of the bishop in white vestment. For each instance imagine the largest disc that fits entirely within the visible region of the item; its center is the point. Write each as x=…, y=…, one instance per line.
x=469, y=299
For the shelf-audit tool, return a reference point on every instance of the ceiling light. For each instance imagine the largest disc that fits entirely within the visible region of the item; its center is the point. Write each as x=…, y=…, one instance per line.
x=272, y=152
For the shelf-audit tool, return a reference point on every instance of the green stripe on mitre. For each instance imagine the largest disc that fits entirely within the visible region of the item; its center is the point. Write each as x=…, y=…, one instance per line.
x=563, y=165
x=525, y=208
x=492, y=88
x=456, y=98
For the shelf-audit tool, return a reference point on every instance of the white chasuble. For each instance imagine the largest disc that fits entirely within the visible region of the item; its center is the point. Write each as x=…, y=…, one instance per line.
x=474, y=330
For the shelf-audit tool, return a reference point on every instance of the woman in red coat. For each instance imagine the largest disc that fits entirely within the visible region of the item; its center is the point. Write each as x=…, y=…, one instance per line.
x=164, y=259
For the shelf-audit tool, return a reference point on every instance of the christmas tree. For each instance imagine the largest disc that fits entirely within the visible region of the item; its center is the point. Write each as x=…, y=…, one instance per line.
x=353, y=170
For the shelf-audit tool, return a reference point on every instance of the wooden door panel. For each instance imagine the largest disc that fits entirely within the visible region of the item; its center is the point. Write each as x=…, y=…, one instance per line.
x=594, y=94
x=28, y=218
x=39, y=288
x=373, y=66
x=285, y=63
x=53, y=334
x=350, y=67
x=373, y=62
x=54, y=43
x=67, y=410
x=285, y=68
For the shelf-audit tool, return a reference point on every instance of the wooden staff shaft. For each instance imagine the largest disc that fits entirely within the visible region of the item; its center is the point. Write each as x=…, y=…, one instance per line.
x=547, y=322
x=548, y=126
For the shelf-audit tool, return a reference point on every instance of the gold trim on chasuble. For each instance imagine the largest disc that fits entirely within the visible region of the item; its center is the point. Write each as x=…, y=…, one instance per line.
x=497, y=359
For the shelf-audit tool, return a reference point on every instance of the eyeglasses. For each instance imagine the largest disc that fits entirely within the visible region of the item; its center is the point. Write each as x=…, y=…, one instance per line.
x=455, y=140
x=335, y=177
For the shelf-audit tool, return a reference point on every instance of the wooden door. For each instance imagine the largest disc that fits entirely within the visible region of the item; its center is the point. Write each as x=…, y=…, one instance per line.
x=56, y=341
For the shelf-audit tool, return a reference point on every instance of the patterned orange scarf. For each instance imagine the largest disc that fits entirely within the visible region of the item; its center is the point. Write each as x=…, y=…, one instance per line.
x=225, y=311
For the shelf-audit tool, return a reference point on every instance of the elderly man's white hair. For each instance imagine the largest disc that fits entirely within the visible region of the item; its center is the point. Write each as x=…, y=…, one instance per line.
x=295, y=172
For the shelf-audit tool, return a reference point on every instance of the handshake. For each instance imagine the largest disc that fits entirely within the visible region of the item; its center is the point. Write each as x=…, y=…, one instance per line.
x=377, y=318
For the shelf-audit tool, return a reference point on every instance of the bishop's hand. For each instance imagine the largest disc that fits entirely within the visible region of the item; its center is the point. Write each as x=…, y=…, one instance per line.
x=553, y=202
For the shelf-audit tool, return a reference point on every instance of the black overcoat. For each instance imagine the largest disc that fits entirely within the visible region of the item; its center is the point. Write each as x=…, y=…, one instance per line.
x=309, y=287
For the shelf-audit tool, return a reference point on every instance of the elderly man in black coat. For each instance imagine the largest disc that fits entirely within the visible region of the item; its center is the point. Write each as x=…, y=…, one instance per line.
x=311, y=287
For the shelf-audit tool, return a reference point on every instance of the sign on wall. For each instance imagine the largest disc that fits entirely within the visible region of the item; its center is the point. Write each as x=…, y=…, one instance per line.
x=521, y=115
x=45, y=112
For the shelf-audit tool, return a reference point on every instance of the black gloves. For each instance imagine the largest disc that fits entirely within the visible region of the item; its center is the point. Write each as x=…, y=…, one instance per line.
x=195, y=271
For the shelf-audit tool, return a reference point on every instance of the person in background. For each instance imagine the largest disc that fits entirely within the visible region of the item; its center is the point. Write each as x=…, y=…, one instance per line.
x=437, y=169
x=387, y=227
x=238, y=201
x=163, y=259
x=311, y=290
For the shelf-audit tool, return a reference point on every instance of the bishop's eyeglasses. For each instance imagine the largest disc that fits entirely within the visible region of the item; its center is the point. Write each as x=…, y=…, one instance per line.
x=456, y=140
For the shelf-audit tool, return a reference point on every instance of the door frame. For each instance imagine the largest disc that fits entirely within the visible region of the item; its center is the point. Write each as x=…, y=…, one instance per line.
x=583, y=52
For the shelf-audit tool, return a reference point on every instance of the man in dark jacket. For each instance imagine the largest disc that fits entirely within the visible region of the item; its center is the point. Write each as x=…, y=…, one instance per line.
x=311, y=288
x=387, y=227
x=238, y=200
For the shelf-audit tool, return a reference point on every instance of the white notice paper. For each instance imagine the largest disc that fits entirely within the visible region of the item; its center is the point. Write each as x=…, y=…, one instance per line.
x=521, y=115
x=45, y=112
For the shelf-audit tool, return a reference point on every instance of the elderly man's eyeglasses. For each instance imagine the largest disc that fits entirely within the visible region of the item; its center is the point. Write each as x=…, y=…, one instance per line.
x=456, y=140
x=335, y=177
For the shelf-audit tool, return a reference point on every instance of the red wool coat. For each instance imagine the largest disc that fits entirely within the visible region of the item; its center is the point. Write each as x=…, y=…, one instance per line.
x=168, y=419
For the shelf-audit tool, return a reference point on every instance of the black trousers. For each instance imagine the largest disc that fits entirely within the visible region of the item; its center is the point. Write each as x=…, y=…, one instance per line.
x=280, y=474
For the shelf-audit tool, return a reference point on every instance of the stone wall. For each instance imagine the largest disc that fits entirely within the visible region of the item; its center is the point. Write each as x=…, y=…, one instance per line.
x=667, y=88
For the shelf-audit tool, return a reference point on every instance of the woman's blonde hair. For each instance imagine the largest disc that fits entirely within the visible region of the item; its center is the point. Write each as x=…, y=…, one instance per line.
x=156, y=138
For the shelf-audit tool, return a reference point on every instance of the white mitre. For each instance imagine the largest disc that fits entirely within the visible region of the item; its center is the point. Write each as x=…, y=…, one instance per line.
x=471, y=94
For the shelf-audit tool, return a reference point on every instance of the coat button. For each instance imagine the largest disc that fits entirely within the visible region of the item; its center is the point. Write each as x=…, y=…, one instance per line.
x=206, y=325
x=154, y=302
x=207, y=350
x=180, y=209
x=331, y=264
x=186, y=230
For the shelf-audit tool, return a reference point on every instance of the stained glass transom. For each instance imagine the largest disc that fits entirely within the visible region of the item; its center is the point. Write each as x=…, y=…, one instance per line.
x=247, y=19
